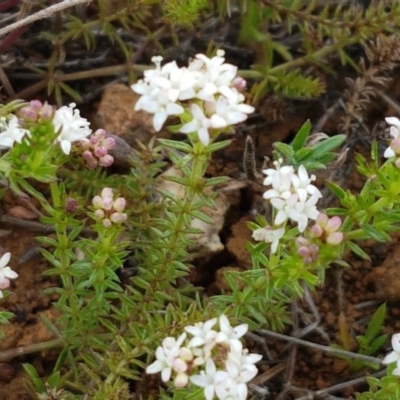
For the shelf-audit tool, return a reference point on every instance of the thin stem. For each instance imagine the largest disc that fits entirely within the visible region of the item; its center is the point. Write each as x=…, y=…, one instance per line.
x=322, y=347
x=32, y=348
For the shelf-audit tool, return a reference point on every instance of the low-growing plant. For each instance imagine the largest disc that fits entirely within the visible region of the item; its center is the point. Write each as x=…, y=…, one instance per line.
x=112, y=330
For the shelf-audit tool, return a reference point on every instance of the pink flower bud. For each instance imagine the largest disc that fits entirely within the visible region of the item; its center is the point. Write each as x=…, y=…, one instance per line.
x=107, y=223
x=47, y=112
x=87, y=155
x=109, y=143
x=395, y=145
x=302, y=241
x=181, y=380
x=99, y=214
x=303, y=251
x=100, y=134
x=239, y=83
x=179, y=365
x=118, y=218
x=119, y=204
x=333, y=225
x=93, y=140
x=106, y=161
x=107, y=192
x=4, y=282
x=97, y=202
x=185, y=354
x=84, y=144
x=317, y=231
x=100, y=151
x=71, y=205
x=107, y=203
x=322, y=220
x=335, y=238
x=91, y=164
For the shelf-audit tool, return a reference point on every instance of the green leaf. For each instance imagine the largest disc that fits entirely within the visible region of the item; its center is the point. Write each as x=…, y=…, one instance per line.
x=358, y=250
x=61, y=359
x=218, y=180
x=182, y=146
x=284, y=149
x=378, y=343
x=202, y=217
x=375, y=325
x=301, y=136
x=54, y=380
x=327, y=145
x=336, y=190
x=218, y=146
x=33, y=374
x=374, y=233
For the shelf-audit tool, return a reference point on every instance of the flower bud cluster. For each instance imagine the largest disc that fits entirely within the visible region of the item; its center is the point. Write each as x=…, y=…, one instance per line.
x=327, y=229
x=108, y=209
x=308, y=250
x=207, y=91
x=96, y=148
x=6, y=273
x=212, y=359
x=35, y=111
x=394, y=149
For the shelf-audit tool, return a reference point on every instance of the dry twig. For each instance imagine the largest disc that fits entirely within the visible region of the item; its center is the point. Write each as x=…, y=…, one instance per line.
x=46, y=13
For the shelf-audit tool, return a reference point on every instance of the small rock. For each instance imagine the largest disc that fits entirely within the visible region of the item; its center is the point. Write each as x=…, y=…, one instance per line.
x=209, y=241
x=116, y=114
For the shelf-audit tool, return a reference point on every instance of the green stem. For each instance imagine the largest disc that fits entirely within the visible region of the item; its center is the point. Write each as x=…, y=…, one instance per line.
x=62, y=253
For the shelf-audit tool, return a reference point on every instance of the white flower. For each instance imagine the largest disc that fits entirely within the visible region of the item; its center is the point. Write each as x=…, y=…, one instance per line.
x=180, y=83
x=167, y=358
x=6, y=273
x=395, y=133
x=202, y=333
x=228, y=113
x=228, y=334
x=161, y=103
x=71, y=125
x=241, y=369
x=201, y=124
x=394, y=356
x=215, y=74
x=269, y=235
x=213, y=381
x=11, y=131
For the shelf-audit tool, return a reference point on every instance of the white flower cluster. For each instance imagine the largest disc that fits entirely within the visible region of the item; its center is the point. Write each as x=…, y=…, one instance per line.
x=66, y=120
x=211, y=85
x=292, y=195
x=6, y=273
x=394, y=356
x=212, y=359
